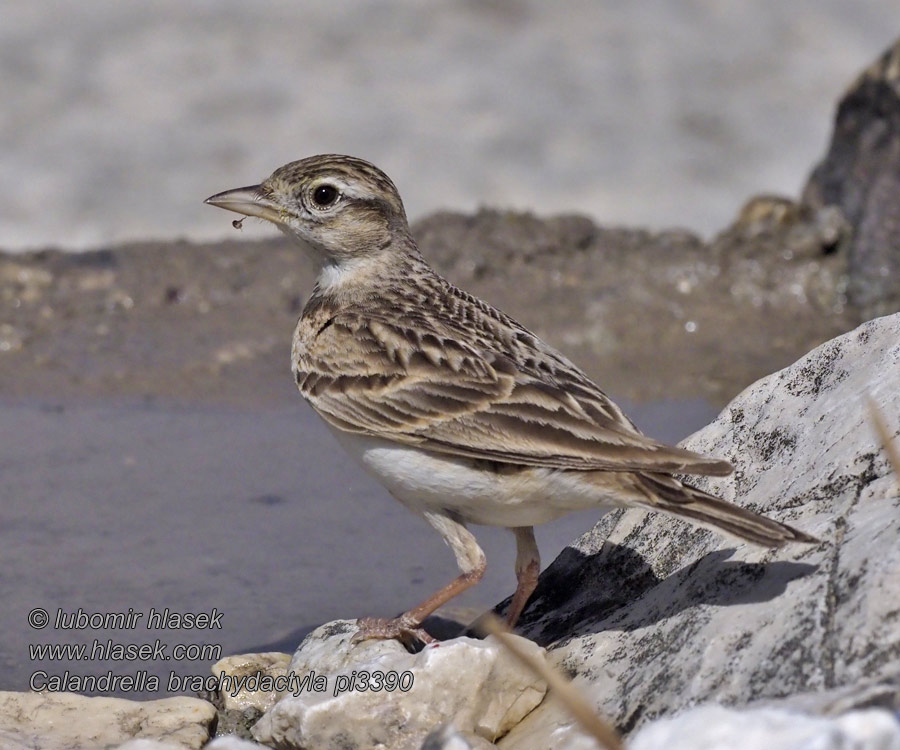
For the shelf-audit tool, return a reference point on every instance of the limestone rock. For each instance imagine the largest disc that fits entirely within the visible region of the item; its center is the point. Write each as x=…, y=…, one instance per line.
x=57, y=721
x=475, y=685
x=245, y=678
x=718, y=728
x=654, y=615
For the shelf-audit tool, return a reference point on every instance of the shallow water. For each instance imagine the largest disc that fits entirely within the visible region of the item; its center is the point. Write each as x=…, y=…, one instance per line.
x=256, y=514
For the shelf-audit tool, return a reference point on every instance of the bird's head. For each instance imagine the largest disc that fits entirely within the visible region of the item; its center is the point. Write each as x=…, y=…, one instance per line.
x=343, y=207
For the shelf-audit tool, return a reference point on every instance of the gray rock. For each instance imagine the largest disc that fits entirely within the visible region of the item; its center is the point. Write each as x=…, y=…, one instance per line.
x=719, y=728
x=838, y=701
x=861, y=175
x=475, y=685
x=66, y=721
x=653, y=615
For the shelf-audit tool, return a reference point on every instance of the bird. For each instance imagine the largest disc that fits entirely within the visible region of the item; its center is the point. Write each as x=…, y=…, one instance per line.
x=463, y=414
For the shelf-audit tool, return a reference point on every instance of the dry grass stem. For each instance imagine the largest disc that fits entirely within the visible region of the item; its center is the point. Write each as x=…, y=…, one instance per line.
x=881, y=429
x=562, y=688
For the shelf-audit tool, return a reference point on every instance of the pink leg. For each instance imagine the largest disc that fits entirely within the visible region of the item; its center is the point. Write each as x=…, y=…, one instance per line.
x=471, y=562
x=528, y=567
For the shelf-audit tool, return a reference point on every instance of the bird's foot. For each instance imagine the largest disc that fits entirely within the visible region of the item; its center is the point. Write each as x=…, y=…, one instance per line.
x=404, y=629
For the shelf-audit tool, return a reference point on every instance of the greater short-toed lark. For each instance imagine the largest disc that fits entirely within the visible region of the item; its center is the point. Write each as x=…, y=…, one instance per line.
x=462, y=413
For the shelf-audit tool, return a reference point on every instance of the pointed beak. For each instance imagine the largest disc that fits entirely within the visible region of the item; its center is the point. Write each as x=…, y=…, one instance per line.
x=248, y=201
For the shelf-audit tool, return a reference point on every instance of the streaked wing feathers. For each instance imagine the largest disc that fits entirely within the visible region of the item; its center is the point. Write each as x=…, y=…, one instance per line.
x=422, y=386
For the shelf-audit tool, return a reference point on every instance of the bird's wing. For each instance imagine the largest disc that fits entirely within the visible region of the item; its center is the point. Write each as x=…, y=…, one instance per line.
x=522, y=404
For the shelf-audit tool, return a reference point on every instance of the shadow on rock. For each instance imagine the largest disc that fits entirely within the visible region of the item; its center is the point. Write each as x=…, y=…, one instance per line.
x=616, y=589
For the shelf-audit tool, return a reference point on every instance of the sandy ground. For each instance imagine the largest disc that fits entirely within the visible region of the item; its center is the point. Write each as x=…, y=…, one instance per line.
x=119, y=118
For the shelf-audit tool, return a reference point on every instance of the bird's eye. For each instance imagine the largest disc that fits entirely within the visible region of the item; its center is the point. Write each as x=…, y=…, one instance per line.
x=325, y=195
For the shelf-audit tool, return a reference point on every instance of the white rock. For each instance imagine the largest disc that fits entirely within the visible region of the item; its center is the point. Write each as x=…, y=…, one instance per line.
x=719, y=728
x=245, y=679
x=327, y=650
x=66, y=721
x=656, y=616
x=149, y=745
x=475, y=685
x=233, y=743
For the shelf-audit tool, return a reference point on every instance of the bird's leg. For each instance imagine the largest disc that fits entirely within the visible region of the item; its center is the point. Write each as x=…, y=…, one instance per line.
x=528, y=566
x=469, y=558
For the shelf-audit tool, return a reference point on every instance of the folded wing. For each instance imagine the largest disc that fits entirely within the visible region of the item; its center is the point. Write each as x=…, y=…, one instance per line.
x=519, y=402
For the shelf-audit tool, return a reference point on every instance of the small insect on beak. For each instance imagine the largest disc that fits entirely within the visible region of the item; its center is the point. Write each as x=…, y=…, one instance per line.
x=249, y=201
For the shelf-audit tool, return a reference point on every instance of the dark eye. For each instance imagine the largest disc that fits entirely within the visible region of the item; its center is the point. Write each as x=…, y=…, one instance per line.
x=325, y=195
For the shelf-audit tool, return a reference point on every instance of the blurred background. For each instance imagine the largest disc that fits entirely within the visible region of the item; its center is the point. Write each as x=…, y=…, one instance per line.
x=119, y=118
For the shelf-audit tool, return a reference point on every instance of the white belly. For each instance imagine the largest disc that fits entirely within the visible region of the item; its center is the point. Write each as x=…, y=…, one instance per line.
x=425, y=481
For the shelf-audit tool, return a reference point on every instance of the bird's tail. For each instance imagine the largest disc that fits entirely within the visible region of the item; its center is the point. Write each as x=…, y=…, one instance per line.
x=667, y=494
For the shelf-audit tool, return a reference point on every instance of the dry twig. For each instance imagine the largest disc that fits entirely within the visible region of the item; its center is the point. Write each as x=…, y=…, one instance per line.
x=562, y=688
x=881, y=429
